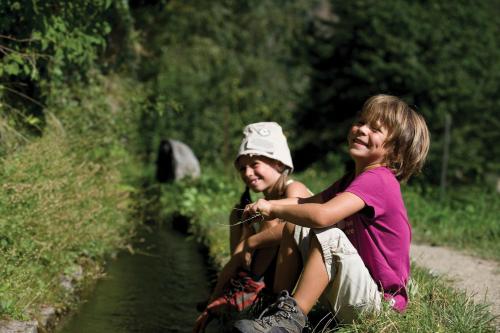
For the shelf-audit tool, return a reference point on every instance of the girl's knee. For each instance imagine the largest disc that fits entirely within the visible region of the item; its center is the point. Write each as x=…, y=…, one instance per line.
x=289, y=229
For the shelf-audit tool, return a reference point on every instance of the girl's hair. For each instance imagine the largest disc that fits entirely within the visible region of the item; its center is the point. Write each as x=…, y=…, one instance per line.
x=408, y=137
x=280, y=186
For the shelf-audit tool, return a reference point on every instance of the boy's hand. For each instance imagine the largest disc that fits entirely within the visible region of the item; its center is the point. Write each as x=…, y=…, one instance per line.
x=261, y=206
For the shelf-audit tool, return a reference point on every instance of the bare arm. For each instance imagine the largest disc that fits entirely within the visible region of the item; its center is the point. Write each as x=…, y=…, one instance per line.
x=311, y=214
x=298, y=193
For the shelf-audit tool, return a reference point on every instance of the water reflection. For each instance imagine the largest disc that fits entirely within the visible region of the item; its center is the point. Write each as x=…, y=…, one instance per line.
x=154, y=290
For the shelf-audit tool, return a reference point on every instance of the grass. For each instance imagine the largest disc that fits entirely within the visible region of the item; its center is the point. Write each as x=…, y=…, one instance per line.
x=65, y=201
x=434, y=306
x=467, y=219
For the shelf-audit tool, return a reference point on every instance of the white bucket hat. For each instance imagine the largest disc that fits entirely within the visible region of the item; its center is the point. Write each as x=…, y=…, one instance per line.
x=266, y=139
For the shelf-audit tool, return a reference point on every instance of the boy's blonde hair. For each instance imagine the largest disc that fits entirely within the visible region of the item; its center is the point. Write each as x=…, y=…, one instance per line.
x=408, y=137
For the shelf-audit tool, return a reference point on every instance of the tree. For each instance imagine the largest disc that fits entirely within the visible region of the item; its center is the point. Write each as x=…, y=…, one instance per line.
x=441, y=57
x=223, y=64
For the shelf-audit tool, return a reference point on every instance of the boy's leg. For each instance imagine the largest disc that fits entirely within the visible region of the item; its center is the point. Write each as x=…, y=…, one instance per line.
x=314, y=278
x=289, y=263
x=351, y=289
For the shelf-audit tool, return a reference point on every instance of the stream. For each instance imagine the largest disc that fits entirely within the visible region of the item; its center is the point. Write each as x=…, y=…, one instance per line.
x=153, y=290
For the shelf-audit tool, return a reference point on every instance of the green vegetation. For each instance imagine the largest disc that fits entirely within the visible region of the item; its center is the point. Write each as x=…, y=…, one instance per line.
x=65, y=199
x=69, y=150
x=443, y=57
x=466, y=220
x=88, y=88
x=434, y=307
x=216, y=66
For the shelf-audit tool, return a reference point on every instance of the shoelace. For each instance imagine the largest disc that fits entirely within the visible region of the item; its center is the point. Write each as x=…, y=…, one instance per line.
x=284, y=312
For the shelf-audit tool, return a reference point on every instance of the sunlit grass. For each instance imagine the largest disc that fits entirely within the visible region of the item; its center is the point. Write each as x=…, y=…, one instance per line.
x=467, y=219
x=433, y=307
x=64, y=203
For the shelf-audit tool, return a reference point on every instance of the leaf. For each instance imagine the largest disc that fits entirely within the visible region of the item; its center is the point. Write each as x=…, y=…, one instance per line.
x=32, y=120
x=12, y=68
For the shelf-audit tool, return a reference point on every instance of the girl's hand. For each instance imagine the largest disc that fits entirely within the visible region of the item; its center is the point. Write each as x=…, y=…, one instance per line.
x=261, y=206
x=201, y=322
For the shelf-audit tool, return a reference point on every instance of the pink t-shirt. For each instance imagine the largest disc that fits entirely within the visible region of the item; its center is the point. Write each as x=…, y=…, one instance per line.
x=380, y=231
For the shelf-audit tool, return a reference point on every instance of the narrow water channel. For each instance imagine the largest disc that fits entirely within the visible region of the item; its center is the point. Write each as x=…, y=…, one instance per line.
x=153, y=290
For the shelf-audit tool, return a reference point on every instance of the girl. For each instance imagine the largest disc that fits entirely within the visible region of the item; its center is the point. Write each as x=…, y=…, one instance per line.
x=356, y=265
x=264, y=163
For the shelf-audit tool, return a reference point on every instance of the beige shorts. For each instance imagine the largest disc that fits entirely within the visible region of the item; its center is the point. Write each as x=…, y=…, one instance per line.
x=351, y=289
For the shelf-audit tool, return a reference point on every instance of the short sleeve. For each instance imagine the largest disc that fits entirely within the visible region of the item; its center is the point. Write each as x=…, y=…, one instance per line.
x=372, y=187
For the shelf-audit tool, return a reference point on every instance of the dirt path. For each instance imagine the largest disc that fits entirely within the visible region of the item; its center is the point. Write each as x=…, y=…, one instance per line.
x=478, y=277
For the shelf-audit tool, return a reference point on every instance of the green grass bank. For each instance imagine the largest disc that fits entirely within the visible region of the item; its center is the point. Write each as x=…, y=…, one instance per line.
x=66, y=196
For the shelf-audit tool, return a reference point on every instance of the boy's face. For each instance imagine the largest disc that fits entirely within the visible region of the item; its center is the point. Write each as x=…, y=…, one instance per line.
x=367, y=143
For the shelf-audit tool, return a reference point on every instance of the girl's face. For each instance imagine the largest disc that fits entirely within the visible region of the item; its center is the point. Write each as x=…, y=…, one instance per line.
x=366, y=144
x=259, y=173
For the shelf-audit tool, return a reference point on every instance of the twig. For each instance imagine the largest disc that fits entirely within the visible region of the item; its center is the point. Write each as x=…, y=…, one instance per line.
x=243, y=221
x=24, y=40
x=23, y=95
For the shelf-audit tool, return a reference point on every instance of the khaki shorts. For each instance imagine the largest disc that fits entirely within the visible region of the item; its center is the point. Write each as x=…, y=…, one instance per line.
x=351, y=289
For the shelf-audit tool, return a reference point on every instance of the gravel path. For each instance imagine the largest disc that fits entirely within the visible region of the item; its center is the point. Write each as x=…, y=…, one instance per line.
x=476, y=276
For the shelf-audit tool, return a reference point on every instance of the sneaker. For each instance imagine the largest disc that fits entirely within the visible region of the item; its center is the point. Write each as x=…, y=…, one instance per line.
x=283, y=316
x=241, y=293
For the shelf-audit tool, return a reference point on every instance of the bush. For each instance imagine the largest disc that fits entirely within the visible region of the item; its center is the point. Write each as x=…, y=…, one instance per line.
x=220, y=65
x=44, y=46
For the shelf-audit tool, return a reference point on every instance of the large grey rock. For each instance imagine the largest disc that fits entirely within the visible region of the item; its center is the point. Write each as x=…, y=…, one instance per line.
x=176, y=161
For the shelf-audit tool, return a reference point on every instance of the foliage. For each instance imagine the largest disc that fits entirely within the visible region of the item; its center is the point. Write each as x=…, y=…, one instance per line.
x=221, y=65
x=207, y=203
x=43, y=46
x=443, y=57
x=66, y=196
x=467, y=219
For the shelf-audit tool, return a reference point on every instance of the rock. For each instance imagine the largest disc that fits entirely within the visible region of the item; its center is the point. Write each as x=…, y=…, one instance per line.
x=175, y=161
x=67, y=281
x=47, y=317
x=14, y=326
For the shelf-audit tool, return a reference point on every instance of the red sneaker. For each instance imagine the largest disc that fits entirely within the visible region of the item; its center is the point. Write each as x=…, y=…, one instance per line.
x=241, y=293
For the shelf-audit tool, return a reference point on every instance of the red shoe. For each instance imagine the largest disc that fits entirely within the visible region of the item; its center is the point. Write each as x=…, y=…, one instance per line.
x=241, y=293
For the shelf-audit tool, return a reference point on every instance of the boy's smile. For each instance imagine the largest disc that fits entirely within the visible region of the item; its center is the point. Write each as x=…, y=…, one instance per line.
x=366, y=144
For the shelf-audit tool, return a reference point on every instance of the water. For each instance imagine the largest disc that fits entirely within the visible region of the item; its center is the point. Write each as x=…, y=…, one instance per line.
x=153, y=290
